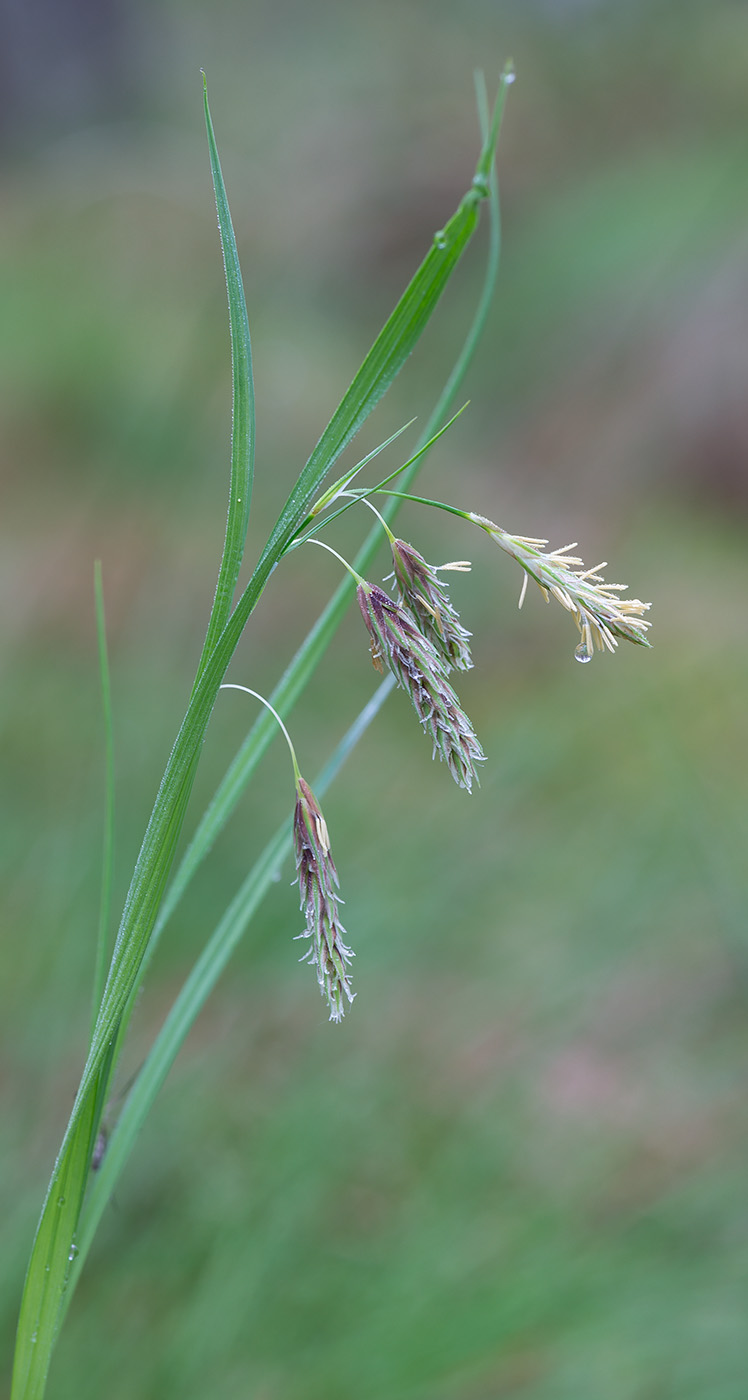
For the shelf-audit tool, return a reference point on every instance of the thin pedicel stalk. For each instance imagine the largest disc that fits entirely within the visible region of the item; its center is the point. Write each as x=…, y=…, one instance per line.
x=233, y=685
x=318, y=883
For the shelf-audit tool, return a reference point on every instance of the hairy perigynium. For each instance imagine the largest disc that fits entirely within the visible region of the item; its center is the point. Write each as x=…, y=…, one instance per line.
x=318, y=883
x=398, y=643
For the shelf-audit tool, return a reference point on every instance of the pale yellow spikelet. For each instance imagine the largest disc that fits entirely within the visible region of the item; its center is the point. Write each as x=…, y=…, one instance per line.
x=601, y=614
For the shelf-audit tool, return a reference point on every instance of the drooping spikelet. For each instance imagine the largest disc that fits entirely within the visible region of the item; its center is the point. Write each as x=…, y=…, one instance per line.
x=601, y=614
x=426, y=596
x=318, y=882
x=396, y=642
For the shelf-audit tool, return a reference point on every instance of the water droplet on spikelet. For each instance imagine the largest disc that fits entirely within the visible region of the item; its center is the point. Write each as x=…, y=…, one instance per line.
x=583, y=653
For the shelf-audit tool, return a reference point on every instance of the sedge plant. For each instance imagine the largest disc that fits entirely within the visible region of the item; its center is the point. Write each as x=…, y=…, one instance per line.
x=416, y=641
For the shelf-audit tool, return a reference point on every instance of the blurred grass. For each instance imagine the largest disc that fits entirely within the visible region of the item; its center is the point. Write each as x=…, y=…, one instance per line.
x=519, y=1166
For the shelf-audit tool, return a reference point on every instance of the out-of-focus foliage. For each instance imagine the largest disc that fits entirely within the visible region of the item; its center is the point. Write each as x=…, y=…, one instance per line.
x=519, y=1166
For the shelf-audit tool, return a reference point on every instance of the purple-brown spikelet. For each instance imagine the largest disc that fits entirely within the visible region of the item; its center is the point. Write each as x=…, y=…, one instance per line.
x=421, y=590
x=318, y=881
x=399, y=644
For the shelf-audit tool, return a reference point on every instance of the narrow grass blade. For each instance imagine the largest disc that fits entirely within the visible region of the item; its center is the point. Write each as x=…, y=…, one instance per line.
x=243, y=407
x=55, y=1238
x=107, y=851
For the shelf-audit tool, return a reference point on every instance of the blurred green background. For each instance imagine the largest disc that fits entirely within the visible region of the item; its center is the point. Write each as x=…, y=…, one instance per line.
x=519, y=1167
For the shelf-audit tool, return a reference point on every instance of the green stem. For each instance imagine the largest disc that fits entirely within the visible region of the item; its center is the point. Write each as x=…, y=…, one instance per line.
x=426, y=501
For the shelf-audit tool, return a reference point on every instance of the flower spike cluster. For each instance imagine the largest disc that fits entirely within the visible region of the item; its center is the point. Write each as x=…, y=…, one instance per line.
x=398, y=643
x=426, y=596
x=318, y=883
x=601, y=614
x=418, y=637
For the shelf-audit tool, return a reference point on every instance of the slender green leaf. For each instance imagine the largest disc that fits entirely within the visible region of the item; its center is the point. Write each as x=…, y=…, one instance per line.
x=243, y=408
